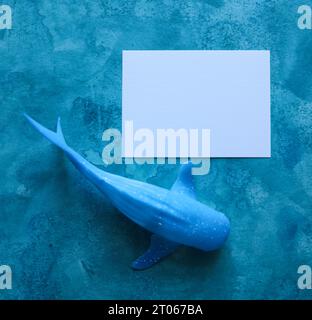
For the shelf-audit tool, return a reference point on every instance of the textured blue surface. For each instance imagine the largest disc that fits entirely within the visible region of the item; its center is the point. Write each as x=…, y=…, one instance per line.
x=59, y=235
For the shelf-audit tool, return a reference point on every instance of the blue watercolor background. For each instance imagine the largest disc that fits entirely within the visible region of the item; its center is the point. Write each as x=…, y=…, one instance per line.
x=61, y=237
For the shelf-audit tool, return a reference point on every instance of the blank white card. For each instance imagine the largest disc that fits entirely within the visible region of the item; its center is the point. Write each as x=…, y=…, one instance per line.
x=227, y=92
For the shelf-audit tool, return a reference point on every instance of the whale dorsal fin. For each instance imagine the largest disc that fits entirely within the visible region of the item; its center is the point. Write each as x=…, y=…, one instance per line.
x=159, y=249
x=184, y=183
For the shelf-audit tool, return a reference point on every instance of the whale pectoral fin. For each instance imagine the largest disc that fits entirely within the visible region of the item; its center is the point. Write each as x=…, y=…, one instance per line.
x=184, y=183
x=159, y=248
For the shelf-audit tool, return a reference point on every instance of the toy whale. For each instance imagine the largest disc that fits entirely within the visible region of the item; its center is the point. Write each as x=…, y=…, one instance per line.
x=174, y=217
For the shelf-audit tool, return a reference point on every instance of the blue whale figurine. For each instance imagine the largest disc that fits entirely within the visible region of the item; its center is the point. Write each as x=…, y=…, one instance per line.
x=174, y=217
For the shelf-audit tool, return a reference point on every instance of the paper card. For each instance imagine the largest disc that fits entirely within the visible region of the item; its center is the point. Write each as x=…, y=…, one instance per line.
x=227, y=92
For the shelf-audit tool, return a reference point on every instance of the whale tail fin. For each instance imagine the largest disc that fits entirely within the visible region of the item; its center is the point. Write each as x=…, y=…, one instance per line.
x=55, y=137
